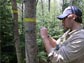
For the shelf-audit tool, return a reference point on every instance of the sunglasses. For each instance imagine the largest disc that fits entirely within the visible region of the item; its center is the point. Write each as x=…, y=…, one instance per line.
x=64, y=18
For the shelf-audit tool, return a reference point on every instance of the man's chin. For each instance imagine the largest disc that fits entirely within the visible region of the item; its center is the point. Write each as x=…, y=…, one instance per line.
x=65, y=29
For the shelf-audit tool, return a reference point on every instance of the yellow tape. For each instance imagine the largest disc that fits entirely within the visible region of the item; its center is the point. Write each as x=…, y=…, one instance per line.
x=29, y=19
x=15, y=11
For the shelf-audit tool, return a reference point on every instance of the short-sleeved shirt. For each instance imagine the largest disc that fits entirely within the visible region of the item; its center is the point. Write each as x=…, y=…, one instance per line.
x=72, y=50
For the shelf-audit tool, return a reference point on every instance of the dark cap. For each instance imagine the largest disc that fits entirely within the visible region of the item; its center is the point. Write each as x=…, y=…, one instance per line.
x=70, y=10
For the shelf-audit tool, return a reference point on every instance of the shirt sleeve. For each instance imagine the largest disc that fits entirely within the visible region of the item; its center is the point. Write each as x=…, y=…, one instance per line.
x=70, y=51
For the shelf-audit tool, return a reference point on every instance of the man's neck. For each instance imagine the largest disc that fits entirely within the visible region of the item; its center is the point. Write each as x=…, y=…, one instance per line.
x=76, y=26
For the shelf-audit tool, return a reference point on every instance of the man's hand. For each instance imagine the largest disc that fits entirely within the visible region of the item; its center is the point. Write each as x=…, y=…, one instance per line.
x=44, y=35
x=44, y=32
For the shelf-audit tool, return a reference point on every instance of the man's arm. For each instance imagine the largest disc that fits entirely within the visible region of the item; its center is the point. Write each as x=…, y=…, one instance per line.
x=48, y=41
x=52, y=41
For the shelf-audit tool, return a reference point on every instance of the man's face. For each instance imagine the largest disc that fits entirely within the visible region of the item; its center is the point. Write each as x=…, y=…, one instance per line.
x=67, y=23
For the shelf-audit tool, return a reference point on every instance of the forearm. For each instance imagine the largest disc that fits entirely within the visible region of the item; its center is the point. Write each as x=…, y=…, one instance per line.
x=52, y=41
x=47, y=40
x=47, y=44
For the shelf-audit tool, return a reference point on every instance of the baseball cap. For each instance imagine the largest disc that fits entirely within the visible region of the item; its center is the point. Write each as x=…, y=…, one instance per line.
x=70, y=10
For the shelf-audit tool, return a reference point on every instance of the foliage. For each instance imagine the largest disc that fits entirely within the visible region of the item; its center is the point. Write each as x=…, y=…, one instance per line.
x=80, y=4
x=7, y=45
x=48, y=19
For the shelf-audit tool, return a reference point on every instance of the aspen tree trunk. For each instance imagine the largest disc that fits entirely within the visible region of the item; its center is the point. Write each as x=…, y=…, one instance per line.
x=30, y=31
x=16, y=33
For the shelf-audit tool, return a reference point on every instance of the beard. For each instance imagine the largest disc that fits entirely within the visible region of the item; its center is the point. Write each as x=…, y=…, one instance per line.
x=65, y=29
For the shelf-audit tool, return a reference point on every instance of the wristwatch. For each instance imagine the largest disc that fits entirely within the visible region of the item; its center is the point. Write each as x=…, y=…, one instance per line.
x=57, y=47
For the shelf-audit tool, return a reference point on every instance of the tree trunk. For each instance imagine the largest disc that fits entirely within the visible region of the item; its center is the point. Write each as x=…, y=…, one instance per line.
x=54, y=9
x=71, y=2
x=42, y=11
x=30, y=31
x=63, y=5
x=49, y=5
x=42, y=7
x=16, y=33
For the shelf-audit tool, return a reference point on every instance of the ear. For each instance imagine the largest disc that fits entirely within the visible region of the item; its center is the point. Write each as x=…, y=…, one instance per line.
x=72, y=16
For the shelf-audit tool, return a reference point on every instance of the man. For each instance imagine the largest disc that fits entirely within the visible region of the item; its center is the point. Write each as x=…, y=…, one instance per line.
x=70, y=47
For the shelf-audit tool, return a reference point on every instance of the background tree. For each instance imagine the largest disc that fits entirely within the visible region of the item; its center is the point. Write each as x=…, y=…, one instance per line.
x=16, y=33
x=48, y=19
x=42, y=3
x=49, y=5
x=8, y=54
x=30, y=31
